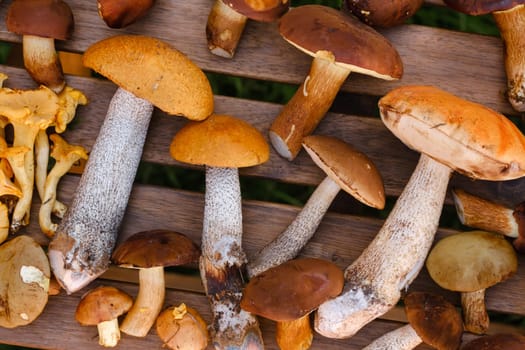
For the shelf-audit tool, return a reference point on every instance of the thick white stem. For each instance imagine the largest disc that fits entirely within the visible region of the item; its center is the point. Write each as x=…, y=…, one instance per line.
x=85, y=238
x=290, y=242
x=108, y=333
x=223, y=260
x=147, y=305
x=42, y=62
x=402, y=338
x=393, y=259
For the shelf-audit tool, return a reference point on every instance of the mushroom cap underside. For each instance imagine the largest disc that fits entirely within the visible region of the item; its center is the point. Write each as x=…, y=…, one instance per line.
x=466, y=136
x=260, y=10
x=471, y=261
x=351, y=169
x=353, y=44
x=102, y=304
x=220, y=141
x=482, y=7
x=293, y=289
x=44, y=18
x=156, y=248
x=153, y=70
x=436, y=321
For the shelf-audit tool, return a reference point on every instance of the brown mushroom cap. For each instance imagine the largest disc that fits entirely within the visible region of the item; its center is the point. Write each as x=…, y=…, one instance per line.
x=355, y=45
x=436, y=321
x=482, y=7
x=293, y=289
x=24, y=281
x=120, y=14
x=468, y=137
x=352, y=170
x=156, y=248
x=471, y=261
x=501, y=341
x=260, y=10
x=43, y=18
x=182, y=328
x=382, y=13
x=102, y=304
x=155, y=71
x=220, y=141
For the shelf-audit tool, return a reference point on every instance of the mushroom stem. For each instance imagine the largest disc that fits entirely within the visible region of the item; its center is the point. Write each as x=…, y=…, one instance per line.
x=511, y=24
x=475, y=317
x=288, y=244
x=108, y=333
x=222, y=262
x=146, y=307
x=294, y=335
x=224, y=29
x=42, y=62
x=402, y=338
x=81, y=248
x=393, y=259
x=303, y=112
x=4, y=222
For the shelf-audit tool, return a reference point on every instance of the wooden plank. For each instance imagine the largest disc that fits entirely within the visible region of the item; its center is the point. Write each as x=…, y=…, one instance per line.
x=470, y=59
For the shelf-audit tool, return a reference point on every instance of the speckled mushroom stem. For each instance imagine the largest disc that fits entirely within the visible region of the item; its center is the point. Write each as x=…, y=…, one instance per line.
x=402, y=338
x=511, y=25
x=290, y=242
x=42, y=62
x=224, y=29
x=393, y=259
x=475, y=317
x=222, y=262
x=85, y=238
x=308, y=106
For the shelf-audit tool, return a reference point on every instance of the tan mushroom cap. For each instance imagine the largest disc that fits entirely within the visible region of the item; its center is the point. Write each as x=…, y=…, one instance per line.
x=220, y=141
x=155, y=248
x=260, y=10
x=182, y=328
x=355, y=45
x=436, y=321
x=43, y=18
x=24, y=281
x=471, y=261
x=102, y=304
x=499, y=341
x=155, y=71
x=293, y=289
x=466, y=136
x=351, y=169
x=482, y=7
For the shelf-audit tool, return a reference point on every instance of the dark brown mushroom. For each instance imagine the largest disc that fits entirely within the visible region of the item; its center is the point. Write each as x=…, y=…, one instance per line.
x=380, y=13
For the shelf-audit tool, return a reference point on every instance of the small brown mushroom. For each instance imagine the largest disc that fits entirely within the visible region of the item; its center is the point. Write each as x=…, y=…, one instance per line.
x=288, y=293
x=431, y=320
x=40, y=22
x=339, y=44
x=469, y=263
x=150, y=252
x=503, y=341
x=101, y=307
x=182, y=328
x=380, y=13
x=122, y=13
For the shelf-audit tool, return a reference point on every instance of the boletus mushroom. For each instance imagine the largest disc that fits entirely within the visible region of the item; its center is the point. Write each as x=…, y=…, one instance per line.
x=506, y=341
x=469, y=263
x=149, y=73
x=182, y=328
x=452, y=134
x=223, y=144
x=339, y=44
x=379, y=13
x=509, y=16
x=122, y=13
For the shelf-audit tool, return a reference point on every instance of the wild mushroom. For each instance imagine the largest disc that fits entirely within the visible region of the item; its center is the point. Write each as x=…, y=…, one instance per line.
x=102, y=307
x=339, y=44
x=451, y=134
x=24, y=281
x=120, y=14
x=345, y=168
x=40, y=22
x=507, y=341
x=288, y=293
x=223, y=144
x=227, y=19
x=160, y=75
x=65, y=156
x=150, y=252
x=431, y=320
x=378, y=13
x=484, y=214
x=469, y=263
x=182, y=328
x=509, y=16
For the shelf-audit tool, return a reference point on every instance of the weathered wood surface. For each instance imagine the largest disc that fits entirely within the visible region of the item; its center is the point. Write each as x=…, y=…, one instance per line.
x=465, y=64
